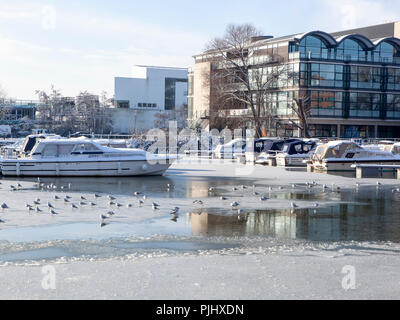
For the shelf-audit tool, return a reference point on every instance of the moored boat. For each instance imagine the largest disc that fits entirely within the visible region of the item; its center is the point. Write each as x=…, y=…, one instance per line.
x=83, y=157
x=341, y=155
x=294, y=153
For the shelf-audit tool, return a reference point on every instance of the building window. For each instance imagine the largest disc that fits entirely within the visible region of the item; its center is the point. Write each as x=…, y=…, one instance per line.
x=326, y=104
x=170, y=92
x=123, y=104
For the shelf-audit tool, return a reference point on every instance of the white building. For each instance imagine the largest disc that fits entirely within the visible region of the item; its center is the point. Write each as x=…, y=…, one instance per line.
x=149, y=99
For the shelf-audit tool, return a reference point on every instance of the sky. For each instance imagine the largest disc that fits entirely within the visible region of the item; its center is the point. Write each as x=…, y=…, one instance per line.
x=82, y=45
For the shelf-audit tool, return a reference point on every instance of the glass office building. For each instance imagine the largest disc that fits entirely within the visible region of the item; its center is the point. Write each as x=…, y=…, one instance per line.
x=352, y=78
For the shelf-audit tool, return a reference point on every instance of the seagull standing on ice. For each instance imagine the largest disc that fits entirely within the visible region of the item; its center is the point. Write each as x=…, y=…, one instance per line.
x=234, y=204
x=294, y=205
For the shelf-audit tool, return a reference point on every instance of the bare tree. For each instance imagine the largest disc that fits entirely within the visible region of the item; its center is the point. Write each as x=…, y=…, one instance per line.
x=243, y=74
x=302, y=109
x=161, y=120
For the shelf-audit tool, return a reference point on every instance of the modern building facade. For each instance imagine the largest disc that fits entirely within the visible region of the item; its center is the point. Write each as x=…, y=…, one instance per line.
x=152, y=96
x=352, y=78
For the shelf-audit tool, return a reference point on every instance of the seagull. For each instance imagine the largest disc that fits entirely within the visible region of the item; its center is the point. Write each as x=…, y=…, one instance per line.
x=74, y=206
x=68, y=197
x=234, y=189
x=111, y=203
x=97, y=195
x=293, y=205
x=155, y=206
x=66, y=200
x=223, y=198
x=56, y=197
x=211, y=189
x=2, y=221
x=255, y=193
x=244, y=187
x=83, y=198
x=50, y=205
x=263, y=198
x=38, y=209
x=378, y=183
x=316, y=205
x=36, y=202
x=198, y=202
x=93, y=204
x=4, y=206
x=30, y=209
x=19, y=185
x=175, y=210
x=120, y=205
x=28, y=205
x=82, y=203
x=53, y=212
x=325, y=186
x=110, y=213
x=293, y=186
x=234, y=204
x=103, y=217
x=111, y=198
x=144, y=198
x=136, y=193
x=129, y=205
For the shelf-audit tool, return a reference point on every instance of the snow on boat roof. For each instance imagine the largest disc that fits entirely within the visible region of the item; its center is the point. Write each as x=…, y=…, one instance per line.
x=337, y=143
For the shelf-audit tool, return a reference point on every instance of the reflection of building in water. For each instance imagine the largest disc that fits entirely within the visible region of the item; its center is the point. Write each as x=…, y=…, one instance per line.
x=252, y=224
x=369, y=215
x=197, y=189
x=214, y=225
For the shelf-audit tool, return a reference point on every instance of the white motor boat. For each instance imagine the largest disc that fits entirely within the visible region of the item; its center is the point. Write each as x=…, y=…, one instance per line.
x=231, y=149
x=83, y=157
x=294, y=153
x=341, y=155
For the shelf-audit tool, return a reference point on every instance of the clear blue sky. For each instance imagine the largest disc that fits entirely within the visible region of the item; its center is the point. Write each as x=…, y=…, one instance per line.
x=83, y=45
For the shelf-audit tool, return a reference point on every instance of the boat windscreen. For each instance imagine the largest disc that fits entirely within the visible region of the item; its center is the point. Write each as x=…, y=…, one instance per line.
x=29, y=144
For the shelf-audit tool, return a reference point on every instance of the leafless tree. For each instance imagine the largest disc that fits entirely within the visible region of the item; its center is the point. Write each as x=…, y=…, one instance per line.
x=161, y=120
x=301, y=106
x=243, y=74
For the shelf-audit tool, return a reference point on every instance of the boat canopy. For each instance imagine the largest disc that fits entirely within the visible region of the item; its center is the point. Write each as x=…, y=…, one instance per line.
x=336, y=149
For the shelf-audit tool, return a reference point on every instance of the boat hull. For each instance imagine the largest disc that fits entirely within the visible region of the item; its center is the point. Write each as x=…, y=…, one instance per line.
x=347, y=165
x=84, y=168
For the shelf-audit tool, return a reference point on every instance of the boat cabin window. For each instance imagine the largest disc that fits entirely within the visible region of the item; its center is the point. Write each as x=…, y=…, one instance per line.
x=57, y=150
x=29, y=144
x=307, y=148
x=298, y=148
x=85, y=148
x=396, y=150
